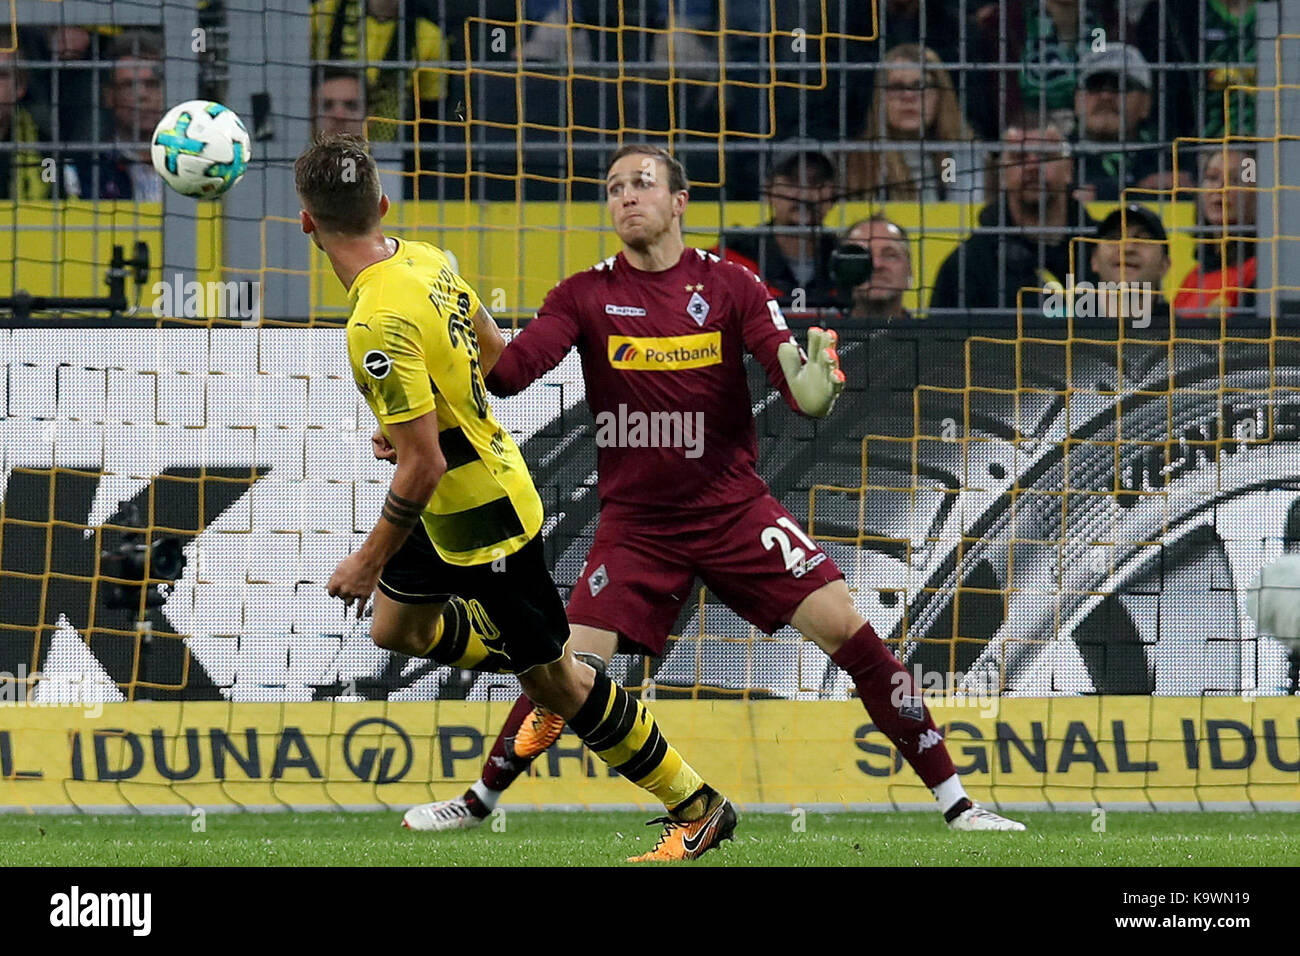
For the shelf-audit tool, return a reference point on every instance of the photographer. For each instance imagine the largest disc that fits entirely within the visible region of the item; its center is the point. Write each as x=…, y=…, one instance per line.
x=872, y=268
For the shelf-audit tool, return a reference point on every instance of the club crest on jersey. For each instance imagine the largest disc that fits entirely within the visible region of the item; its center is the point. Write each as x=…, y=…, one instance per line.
x=599, y=578
x=377, y=363
x=697, y=308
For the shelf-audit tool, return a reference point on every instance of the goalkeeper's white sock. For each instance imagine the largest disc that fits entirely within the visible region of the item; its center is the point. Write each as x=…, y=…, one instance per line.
x=485, y=796
x=950, y=793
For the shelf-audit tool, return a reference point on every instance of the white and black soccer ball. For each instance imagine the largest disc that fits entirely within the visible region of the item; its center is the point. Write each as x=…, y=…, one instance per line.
x=1273, y=600
x=200, y=148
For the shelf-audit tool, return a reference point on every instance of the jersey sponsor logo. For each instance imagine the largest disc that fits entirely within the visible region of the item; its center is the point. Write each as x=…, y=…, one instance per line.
x=623, y=310
x=377, y=363
x=777, y=318
x=697, y=308
x=665, y=353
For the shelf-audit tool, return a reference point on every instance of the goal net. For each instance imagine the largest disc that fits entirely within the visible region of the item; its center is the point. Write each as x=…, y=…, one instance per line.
x=1050, y=503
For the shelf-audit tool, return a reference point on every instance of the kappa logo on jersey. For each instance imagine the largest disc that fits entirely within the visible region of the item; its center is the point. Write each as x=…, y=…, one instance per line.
x=666, y=353
x=697, y=308
x=377, y=363
x=623, y=310
x=599, y=578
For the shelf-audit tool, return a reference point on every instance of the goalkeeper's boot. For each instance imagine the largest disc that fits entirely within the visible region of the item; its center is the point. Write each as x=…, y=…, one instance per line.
x=540, y=729
x=976, y=817
x=459, y=813
x=688, y=840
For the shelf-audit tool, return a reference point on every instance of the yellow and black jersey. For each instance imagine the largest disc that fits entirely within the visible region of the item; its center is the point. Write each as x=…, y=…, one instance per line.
x=413, y=350
x=337, y=34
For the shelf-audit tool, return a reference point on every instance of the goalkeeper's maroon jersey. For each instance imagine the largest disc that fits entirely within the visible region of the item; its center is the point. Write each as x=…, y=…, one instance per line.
x=662, y=354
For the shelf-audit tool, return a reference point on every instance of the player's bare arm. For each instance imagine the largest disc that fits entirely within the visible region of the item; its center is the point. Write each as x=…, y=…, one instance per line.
x=420, y=466
x=491, y=343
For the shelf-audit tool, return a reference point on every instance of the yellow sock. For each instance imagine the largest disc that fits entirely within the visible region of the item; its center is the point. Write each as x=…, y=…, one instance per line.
x=624, y=734
x=462, y=638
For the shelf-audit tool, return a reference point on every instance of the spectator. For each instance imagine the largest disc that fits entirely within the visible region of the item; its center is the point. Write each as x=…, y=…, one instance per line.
x=914, y=106
x=1041, y=41
x=549, y=38
x=1025, y=235
x=133, y=96
x=1219, y=36
x=22, y=175
x=881, y=297
x=75, y=86
x=904, y=21
x=339, y=103
x=1134, y=248
x=791, y=252
x=1112, y=106
x=1224, y=275
x=394, y=93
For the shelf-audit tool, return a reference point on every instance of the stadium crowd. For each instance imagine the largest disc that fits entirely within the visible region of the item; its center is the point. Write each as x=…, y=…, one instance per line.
x=1028, y=109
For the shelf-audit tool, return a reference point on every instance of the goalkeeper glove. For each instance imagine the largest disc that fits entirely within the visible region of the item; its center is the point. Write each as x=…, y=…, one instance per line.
x=816, y=383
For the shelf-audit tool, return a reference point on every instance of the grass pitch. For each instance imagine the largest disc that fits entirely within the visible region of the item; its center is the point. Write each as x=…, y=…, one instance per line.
x=600, y=839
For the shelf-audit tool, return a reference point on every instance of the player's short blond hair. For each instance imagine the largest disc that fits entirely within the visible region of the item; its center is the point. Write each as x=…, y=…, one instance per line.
x=677, y=181
x=338, y=183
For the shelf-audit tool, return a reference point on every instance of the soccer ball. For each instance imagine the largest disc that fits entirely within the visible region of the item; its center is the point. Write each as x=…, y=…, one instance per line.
x=1273, y=600
x=200, y=148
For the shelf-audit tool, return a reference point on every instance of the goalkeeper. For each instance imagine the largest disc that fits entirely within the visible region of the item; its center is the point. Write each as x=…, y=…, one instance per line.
x=662, y=330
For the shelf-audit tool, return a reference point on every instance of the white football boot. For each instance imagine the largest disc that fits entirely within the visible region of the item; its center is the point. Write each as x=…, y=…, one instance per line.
x=976, y=817
x=453, y=814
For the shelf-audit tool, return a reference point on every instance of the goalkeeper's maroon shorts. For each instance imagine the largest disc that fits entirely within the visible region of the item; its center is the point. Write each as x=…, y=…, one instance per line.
x=755, y=557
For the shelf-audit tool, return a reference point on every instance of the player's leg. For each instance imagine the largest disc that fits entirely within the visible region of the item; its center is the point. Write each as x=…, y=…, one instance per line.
x=895, y=704
x=764, y=567
x=622, y=733
x=511, y=756
x=630, y=585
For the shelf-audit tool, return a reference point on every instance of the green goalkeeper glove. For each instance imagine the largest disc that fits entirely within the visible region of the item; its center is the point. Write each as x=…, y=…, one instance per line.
x=817, y=383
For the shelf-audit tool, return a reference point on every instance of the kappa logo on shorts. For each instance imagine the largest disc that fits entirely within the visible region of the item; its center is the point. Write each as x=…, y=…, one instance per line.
x=599, y=578
x=931, y=738
x=377, y=363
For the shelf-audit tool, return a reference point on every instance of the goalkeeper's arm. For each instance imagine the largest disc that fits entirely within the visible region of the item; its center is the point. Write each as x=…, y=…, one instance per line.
x=816, y=383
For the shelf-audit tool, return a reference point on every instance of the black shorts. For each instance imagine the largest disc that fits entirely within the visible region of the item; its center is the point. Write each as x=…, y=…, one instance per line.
x=516, y=592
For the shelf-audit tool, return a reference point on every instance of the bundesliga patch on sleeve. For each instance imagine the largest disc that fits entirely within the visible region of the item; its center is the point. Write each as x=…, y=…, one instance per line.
x=665, y=353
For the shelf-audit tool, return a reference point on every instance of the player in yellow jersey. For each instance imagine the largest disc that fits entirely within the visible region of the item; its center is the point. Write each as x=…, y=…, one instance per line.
x=455, y=561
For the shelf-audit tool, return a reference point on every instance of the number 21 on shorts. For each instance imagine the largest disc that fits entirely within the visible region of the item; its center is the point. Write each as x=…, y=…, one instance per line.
x=797, y=560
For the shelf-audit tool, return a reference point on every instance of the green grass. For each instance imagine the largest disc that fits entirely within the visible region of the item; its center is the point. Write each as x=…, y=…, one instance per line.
x=585, y=839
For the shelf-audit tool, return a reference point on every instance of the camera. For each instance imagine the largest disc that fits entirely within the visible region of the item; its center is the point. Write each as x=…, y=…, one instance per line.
x=138, y=560
x=850, y=266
